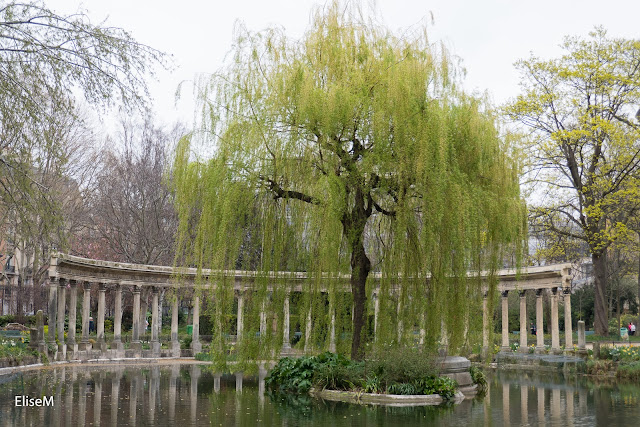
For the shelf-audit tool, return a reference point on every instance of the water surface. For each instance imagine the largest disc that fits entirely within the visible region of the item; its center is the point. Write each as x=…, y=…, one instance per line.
x=190, y=394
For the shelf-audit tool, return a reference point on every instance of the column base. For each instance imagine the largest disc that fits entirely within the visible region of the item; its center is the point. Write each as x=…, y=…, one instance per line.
x=175, y=348
x=196, y=346
x=583, y=353
x=136, y=346
x=102, y=346
x=117, y=345
x=505, y=349
x=84, y=346
x=523, y=349
x=72, y=351
x=42, y=347
x=155, y=348
x=556, y=350
x=62, y=351
x=540, y=349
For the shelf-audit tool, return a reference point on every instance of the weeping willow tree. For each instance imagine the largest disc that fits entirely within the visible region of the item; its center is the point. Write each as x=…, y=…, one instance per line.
x=353, y=155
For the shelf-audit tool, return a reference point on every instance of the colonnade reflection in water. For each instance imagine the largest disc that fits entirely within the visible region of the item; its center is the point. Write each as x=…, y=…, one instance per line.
x=190, y=394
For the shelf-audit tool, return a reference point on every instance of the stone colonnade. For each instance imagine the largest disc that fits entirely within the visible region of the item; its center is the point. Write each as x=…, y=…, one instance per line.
x=524, y=329
x=59, y=304
x=69, y=275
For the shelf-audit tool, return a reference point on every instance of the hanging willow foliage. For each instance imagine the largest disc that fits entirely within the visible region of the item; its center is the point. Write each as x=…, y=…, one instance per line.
x=351, y=155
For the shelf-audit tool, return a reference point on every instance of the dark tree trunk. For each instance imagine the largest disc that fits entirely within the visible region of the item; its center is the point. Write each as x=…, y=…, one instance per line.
x=353, y=225
x=360, y=267
x=601, y=322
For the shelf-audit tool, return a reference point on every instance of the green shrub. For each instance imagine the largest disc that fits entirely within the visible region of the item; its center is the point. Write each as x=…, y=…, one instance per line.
x=401, y=365
x=479, y=378
x=629, y=371
x=292, y=375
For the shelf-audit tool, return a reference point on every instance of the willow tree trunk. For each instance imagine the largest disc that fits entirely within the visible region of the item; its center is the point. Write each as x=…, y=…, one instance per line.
x=353, y=225
x=360, y=267
x=601, y=323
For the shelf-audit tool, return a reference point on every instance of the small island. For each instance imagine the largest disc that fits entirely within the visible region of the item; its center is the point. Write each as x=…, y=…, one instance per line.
x=393, y=377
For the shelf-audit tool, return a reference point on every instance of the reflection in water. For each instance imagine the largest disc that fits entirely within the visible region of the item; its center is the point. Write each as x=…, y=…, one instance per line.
x=192, y=395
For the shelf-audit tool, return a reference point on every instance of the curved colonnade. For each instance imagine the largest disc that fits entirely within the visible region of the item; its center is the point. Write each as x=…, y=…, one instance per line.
x=68, y=273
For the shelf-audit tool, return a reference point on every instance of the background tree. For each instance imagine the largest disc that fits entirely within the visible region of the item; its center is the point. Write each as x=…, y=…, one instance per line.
x=359, y=137
x=132, y=211
x=43, y=58
x=583, y=143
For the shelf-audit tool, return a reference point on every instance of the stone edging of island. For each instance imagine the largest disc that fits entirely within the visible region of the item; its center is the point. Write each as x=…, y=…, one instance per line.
x=384, y=399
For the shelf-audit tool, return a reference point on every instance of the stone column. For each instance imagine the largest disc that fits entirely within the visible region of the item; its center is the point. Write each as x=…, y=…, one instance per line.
x=196, y=346
x=523, y=322
x=400, y=329
x=286, y=344
x=332, y=325
x=86, y=301
x=73, y=304
x=155, y=343
x=61, y=312
x=307, y=331
x=240, y=317
x=505, y=322
x=136, y=345
x=539, y=323
x=263, y=320
x=102, y=289
x=41, y=344
x=376, y=313
x=175, y=344
x=117, y=322
x=582, y=342
x=485, y=326
x=53, y=297
x=568, y=327
x=555, y=330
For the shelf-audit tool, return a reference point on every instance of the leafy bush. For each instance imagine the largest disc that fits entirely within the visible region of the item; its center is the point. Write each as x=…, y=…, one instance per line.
x=292, y=375
x=479, y=378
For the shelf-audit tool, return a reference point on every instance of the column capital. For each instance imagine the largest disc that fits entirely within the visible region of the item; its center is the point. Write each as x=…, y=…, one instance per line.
x=136, y=289
x=539, y=292
x=155, y=289
x=554, y=290
x=504, y=293
x=522, y=293
x=102, y=287
x=73, y=282
x=566, y=290
x=62, y=282
x=53, y=280
x=86, y=286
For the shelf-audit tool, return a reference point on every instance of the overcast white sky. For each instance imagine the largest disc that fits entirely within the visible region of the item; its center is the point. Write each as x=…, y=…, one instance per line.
x=489, y=35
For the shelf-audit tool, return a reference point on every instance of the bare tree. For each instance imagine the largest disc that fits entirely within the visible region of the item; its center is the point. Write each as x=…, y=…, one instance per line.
x=132, y=208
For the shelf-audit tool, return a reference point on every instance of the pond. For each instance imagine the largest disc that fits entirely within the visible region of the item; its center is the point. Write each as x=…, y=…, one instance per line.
x=190, y=394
